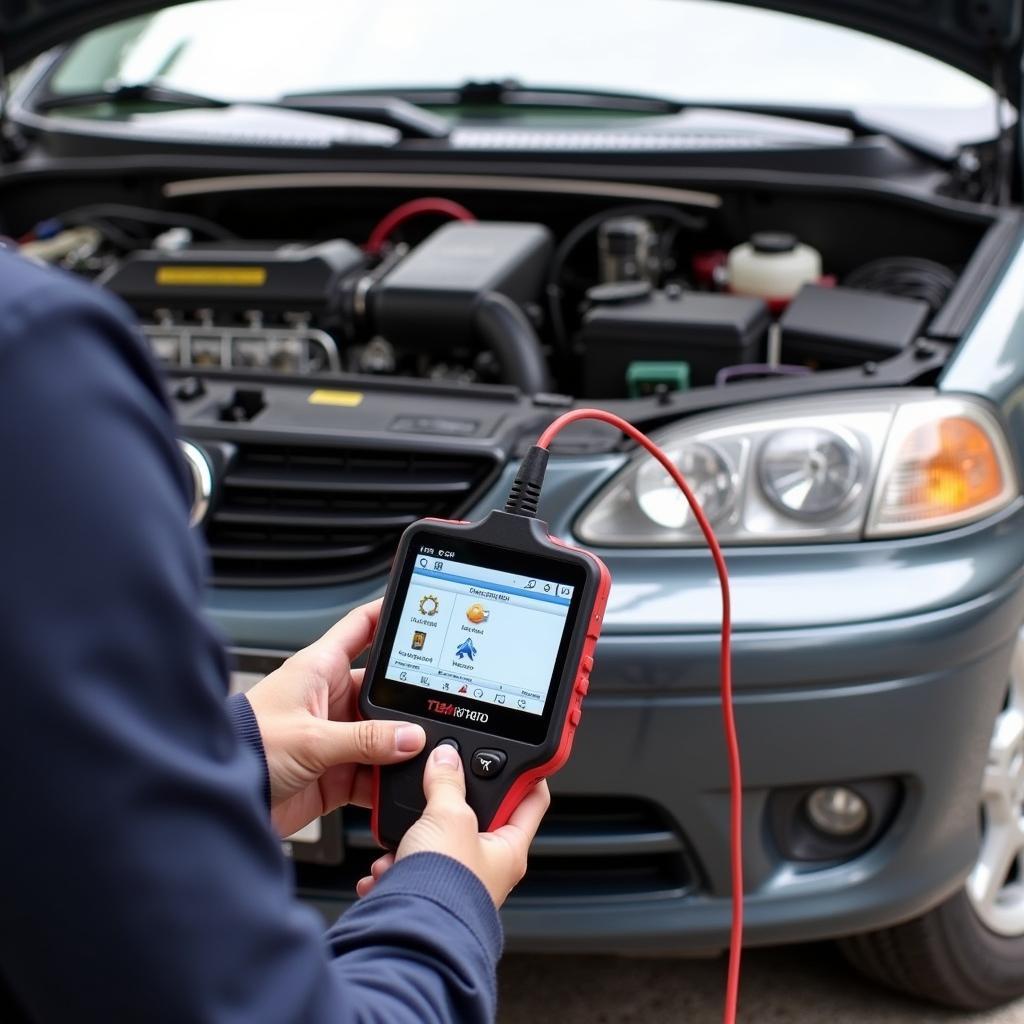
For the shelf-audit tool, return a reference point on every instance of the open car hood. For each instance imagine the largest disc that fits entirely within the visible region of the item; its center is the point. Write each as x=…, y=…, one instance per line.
x=981, y=37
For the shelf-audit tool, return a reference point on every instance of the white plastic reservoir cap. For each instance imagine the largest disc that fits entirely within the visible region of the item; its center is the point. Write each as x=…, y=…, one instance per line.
x=772, y=265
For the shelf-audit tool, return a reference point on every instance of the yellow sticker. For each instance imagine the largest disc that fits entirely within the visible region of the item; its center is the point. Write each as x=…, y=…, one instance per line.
x=215, y=277
x=325, y=396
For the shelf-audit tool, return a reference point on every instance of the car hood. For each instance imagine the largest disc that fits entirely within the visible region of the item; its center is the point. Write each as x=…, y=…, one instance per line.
x=981, y=37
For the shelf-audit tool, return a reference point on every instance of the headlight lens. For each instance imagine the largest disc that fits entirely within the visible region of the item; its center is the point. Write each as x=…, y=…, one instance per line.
x=945, y=465
x=710, y=478
x=809, y=472
x=836, y=467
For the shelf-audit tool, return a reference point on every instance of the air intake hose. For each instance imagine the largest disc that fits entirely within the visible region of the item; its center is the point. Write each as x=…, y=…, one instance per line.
x=503, y=326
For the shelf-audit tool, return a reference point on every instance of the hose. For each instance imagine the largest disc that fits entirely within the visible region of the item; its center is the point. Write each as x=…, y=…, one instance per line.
x=511, y=337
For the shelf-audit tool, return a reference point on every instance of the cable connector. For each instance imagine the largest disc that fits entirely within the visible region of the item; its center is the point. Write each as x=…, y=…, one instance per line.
x=524, y=495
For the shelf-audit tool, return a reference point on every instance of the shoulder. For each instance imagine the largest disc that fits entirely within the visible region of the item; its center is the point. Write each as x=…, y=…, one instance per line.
x=30, y=292
x=44, y=312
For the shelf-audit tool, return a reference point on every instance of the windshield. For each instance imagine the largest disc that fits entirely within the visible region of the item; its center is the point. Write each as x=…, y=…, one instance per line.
x=688, y=50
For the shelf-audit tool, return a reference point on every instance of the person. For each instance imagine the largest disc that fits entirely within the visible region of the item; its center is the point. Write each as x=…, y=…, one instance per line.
x=139, y=876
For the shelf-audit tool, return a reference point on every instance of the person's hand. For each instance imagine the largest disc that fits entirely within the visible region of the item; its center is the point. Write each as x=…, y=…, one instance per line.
x=449, y=826
x=316, y=752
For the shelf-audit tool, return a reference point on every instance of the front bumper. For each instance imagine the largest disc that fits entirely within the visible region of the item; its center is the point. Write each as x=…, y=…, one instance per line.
x=851, y=662
x=929, y=729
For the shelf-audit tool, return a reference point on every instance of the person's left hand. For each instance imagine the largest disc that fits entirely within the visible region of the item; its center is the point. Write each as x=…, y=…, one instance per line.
x=316, y=752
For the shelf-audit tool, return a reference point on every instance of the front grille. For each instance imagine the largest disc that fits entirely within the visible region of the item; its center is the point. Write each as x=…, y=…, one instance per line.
x=304, y=516
x=603, y=848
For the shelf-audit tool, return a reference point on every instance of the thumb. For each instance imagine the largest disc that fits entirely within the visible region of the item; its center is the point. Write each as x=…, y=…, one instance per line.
x=369, y=742
x=444, y=784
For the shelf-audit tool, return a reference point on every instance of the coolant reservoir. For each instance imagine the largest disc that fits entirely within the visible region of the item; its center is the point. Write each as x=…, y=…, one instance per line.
x=772, y=265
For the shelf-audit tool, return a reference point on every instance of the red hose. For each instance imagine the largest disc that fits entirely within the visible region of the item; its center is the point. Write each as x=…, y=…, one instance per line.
x=728, y=717
x=414, y=208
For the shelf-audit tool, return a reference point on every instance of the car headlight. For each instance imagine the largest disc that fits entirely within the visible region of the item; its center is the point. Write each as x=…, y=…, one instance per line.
x=710, y=478
x=809, y=472
x=836, y=467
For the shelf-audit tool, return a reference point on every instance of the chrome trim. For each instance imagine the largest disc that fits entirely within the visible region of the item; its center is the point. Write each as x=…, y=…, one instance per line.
x=474, y=182
x=225, y=337
x=202, y=481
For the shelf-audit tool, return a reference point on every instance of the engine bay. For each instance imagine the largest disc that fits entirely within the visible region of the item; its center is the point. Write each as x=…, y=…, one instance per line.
x=595, y=299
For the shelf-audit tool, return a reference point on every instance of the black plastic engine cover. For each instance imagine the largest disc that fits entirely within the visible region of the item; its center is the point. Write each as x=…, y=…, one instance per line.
x=429, y=298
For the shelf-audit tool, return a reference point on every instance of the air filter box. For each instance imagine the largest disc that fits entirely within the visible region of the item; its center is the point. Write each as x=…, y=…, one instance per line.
x=706, y=331
x=430, y=297
x=836, y=327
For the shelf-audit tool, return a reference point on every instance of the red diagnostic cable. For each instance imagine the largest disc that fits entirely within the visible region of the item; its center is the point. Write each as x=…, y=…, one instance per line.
x=414, y=208
x=731, y=738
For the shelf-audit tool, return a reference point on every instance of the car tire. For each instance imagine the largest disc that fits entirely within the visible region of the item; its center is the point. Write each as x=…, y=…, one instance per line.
x=968, y=952
x=946, y=956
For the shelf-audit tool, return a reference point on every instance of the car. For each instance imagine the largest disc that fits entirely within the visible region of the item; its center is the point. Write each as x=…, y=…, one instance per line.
x=378, y=247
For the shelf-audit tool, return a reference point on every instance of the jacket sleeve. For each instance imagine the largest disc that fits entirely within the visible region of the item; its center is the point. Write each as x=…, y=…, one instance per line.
x=247, y=729
x=139, y=878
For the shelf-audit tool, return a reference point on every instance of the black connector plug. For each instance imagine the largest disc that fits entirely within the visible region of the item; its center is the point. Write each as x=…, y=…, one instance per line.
x=524, y=495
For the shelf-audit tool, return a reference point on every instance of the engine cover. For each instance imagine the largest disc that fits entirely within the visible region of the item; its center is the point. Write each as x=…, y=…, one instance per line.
x=240, y=305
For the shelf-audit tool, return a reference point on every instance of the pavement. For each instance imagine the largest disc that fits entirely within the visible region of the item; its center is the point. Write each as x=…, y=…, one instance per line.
x=793, y=985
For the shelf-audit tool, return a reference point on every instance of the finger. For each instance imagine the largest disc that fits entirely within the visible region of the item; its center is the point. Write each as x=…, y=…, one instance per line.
x=365, y=886
x=341, y=705
x=444, y=783
x=524, y=821
x=368, y=742
x=345, y=640
x=382, y=864
x=361, y=792
x=352, y=634
x=340, y=783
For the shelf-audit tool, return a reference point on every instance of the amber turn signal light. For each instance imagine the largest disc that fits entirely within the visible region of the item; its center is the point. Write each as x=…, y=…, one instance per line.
x=944, y=466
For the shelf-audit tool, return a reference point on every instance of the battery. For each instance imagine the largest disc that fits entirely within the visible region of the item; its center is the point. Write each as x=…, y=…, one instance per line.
x=706, y=331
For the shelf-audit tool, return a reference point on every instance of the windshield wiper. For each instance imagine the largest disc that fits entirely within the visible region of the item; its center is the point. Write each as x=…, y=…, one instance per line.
x=511, y=93
x=410, y=120
x=146, y=92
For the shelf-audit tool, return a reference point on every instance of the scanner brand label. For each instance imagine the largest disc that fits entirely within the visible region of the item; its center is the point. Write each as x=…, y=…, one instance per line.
x=440, y=707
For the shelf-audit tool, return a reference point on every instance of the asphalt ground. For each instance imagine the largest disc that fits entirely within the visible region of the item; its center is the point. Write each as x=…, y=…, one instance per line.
x=792, y=985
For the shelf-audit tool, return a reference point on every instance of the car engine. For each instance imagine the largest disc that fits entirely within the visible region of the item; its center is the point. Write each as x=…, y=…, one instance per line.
x=631, y=301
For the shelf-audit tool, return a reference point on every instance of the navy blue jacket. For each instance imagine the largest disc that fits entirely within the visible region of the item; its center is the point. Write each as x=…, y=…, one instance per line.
x=139, y=877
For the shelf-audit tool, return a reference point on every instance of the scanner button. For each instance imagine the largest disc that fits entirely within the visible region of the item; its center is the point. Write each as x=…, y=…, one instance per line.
x=575, y=715
x=487, y=763
x=583, y=684
x=587, y=664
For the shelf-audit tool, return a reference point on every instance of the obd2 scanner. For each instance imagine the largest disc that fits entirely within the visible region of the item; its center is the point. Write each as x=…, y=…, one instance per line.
x=486, y=639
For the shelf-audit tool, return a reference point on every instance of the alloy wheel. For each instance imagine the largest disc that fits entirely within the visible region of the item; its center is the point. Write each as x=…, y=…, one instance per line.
x=995, y=886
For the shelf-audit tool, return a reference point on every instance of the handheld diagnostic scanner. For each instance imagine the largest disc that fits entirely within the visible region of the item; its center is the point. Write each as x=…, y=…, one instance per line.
x=486, y=639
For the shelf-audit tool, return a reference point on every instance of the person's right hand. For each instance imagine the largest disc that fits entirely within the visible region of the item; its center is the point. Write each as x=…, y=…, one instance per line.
x=449, y=826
